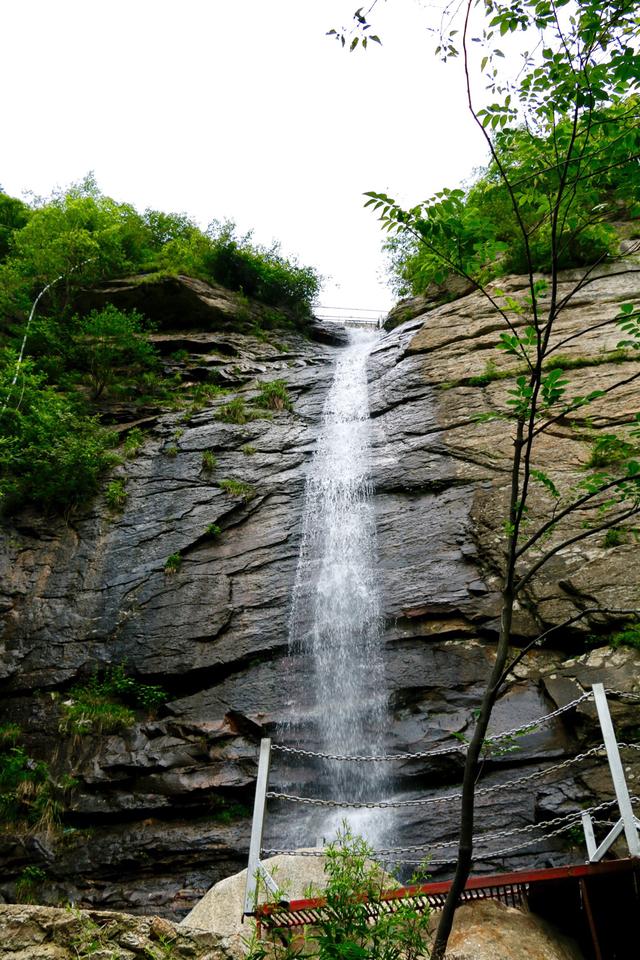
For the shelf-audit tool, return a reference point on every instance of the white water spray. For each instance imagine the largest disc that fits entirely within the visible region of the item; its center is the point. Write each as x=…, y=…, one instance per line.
x=336, y=619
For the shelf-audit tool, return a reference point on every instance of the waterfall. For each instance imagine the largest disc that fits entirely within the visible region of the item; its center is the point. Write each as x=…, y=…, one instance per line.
x=336, y=627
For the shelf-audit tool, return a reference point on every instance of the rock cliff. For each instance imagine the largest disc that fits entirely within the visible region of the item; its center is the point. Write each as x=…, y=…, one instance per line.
x=156, y=813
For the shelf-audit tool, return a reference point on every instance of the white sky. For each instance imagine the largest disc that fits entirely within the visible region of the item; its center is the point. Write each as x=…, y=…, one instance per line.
x=239, y=109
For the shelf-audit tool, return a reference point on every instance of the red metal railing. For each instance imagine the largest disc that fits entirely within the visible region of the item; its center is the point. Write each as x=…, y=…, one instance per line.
x=510, y=888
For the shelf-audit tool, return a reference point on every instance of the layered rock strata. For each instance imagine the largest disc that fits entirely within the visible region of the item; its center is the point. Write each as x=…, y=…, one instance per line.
x=159, y=812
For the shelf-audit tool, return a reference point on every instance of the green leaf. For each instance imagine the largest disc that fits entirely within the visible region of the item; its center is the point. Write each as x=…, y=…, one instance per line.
x=547, y=482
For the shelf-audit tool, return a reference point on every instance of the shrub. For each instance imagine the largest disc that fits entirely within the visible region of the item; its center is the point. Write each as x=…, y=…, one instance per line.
x=614, y=537
x=29, y=883
x=116, y=494
x=180, y=356
x=234, y=262
x=52, y=454
x=173, y=563
x=629, y=637
x=13, y=216
x=609, y=449
x=490, y=374
x=133, y=442
x=236, y=488
x=171, y=451
x=109, y=340
x=107, y=703
x=91, y=711
x=235, y=411
x=209, y=461
x=225, y=811
x=346, y=930
x=213, y=530
x=483, y=237
x=248, y=449
x=25, y=787
x=9, y=735
x=274, y=396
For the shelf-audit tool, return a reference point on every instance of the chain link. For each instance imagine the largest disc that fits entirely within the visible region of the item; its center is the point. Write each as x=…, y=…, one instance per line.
x=425, y=754
x=623, y=695
x=455, y=748
x=353, y=804
x=536, y=723
x=563, y=823
x=537, y=774
x=447, y=798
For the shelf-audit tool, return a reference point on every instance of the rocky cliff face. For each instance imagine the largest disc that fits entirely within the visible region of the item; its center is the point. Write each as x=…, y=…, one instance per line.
x=158, y=812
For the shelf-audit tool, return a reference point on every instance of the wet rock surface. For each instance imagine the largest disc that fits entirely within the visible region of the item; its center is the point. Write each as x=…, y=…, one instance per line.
x=159, y=811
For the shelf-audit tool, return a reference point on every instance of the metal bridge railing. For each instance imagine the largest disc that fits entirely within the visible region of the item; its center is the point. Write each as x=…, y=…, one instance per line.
x=531, y=834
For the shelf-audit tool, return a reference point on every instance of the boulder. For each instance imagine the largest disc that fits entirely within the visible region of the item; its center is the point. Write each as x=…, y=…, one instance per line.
x=221, y=909
x=489, y=930
x=50, y=933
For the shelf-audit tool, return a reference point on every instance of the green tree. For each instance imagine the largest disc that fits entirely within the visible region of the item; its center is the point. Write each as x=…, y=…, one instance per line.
x=346, y=929
x=13, y=215
x=562, y=137
x=51, y=453
x=110, y=341
x=79, y=235
x=480, y=232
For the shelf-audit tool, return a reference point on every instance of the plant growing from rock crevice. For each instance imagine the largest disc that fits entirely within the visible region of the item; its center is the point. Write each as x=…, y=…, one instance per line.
x=209, y=461
x=29, y=884
x=236, y=411
x=107, y=703
x=173, y=563
x=237, y=488
x=116, y=494
x=274, y=396
x=133, y=443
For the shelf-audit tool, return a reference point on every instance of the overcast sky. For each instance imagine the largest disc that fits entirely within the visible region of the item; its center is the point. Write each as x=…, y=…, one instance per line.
x=240, y=109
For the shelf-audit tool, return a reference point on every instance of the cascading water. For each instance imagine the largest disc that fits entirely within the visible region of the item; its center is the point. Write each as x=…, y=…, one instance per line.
x=335, y=620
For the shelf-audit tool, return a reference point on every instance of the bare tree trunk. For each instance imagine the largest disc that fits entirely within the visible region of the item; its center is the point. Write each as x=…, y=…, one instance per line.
x=467, y=809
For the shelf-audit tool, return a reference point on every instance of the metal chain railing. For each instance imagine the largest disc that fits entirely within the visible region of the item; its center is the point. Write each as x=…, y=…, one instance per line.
x=635, y=697
x=447, y=798
x=391, y=854
x=440, y=751
x=317, y=754
x=491, y=854
x=533, y=724
x=528, y=835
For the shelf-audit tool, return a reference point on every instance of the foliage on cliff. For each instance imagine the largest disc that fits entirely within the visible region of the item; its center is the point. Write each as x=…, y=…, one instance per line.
x=57, y=363
x=478, y=230
x=83, y=235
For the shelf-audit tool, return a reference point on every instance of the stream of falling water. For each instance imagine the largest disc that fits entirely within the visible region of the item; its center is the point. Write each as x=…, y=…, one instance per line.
x=336, y=619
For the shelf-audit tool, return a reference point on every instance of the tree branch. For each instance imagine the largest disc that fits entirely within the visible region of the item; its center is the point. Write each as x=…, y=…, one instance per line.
x=561, y=626
x=590, y=532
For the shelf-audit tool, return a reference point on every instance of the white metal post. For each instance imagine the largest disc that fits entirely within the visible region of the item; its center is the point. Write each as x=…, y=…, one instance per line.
x=257, y=827
x=629, y=822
